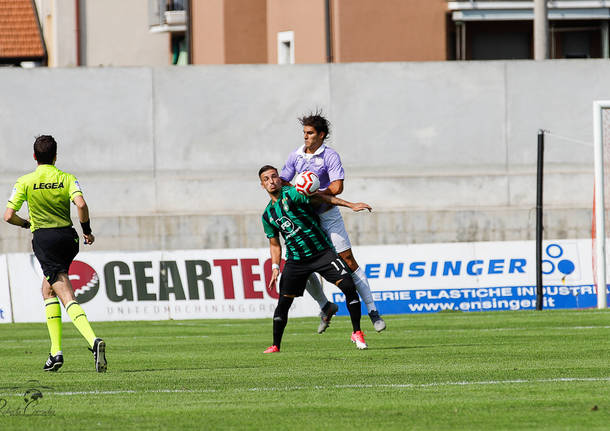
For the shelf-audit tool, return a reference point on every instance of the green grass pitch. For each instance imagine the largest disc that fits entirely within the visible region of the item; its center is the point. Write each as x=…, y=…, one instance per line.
x=501, y=370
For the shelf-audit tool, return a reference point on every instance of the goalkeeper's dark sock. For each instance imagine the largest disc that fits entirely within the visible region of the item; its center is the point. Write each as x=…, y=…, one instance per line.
x=280, y=319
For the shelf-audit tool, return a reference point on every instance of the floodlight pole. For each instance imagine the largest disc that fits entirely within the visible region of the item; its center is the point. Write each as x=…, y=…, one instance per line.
x=539, y=228
x=600, y=222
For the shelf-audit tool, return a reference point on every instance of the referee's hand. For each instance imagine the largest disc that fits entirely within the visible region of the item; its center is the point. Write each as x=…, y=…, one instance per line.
x=89, y=239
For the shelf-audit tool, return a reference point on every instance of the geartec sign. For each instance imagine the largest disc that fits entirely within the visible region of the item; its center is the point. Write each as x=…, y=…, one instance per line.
x=480, y=276
x=193, y=284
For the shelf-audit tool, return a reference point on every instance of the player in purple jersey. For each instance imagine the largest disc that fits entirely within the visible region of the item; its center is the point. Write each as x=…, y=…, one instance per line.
x=325, y=162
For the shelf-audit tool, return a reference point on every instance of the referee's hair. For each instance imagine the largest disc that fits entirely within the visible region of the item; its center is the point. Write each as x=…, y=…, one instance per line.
x=45, y=149
x=265, y=169
x=317, y=121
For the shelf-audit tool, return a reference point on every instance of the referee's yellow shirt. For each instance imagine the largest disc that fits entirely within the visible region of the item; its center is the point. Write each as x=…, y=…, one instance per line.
x=48, y=192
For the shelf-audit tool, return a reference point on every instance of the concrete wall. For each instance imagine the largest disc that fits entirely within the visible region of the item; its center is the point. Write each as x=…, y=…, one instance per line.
x=443, y=151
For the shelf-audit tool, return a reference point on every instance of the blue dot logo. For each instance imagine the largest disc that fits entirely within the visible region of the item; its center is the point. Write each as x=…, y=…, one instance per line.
x=565, y=266
x=554, y=252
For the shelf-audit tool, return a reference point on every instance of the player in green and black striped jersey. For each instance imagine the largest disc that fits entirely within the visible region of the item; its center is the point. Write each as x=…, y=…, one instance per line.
x=308, y=250
x=293, y=217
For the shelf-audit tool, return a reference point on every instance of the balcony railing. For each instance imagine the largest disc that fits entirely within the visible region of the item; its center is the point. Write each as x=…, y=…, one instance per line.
x=167, y=15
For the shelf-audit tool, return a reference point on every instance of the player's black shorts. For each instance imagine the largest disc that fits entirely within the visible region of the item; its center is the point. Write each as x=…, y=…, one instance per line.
x=327, y=263
x=55, y=249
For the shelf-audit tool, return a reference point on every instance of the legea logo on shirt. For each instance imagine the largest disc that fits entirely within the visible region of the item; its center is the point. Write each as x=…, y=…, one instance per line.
x=48, y=186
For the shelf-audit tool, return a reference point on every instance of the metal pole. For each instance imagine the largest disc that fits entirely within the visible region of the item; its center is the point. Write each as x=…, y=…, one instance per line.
x=539, y=227
x=458, y=41
x=188, y=33
x=600, y=221
x=329, y=34
x=463, y=41
x=541, y=30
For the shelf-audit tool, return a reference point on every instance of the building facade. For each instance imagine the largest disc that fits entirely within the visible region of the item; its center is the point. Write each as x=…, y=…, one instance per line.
x=318, y=31
x=166, y=32
x=494, y=30
x=341, y=31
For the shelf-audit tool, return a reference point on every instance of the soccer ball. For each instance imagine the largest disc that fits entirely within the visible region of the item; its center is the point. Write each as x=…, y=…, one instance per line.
x=307, y=183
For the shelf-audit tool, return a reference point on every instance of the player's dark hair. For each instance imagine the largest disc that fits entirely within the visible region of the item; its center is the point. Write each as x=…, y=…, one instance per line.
x=265, y=169
x=317, y=121
x=45, y=149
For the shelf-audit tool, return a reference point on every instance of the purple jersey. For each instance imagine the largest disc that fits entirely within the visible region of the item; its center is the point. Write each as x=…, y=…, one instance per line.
x=325, y=163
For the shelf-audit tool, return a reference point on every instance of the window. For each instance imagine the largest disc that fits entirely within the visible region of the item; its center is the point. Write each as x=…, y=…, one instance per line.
x=285, y=47
x=576, y=39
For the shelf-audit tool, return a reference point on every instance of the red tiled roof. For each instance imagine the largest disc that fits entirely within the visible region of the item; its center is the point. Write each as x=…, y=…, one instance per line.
x=19, y=31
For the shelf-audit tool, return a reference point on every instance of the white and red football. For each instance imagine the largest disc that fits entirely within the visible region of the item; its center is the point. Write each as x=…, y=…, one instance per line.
x=307, y=183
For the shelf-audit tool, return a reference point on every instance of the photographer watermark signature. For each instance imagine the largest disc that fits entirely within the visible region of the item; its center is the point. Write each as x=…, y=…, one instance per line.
x=24, y=400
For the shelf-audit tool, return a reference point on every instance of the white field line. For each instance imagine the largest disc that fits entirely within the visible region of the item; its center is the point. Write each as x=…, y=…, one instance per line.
x=316, y=387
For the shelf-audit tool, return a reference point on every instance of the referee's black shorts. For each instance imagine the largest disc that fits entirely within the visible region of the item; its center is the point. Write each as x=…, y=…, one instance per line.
x=55, y=249
x=327, y=263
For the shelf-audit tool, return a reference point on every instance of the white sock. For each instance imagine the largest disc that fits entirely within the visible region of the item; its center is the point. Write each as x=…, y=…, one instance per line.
x=314, y=288
x=364, y=290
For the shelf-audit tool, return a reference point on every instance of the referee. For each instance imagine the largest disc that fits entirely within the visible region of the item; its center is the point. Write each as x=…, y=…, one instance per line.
x=48, y=192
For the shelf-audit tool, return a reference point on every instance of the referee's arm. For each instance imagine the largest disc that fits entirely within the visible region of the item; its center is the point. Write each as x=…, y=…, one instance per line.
x=10, y=216
x=83, y=217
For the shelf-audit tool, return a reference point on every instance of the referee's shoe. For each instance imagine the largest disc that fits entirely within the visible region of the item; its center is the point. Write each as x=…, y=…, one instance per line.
x=99, y=355
x=54, y=363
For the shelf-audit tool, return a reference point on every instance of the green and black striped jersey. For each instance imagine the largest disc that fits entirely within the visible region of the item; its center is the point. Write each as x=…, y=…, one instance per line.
x=293, y=216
